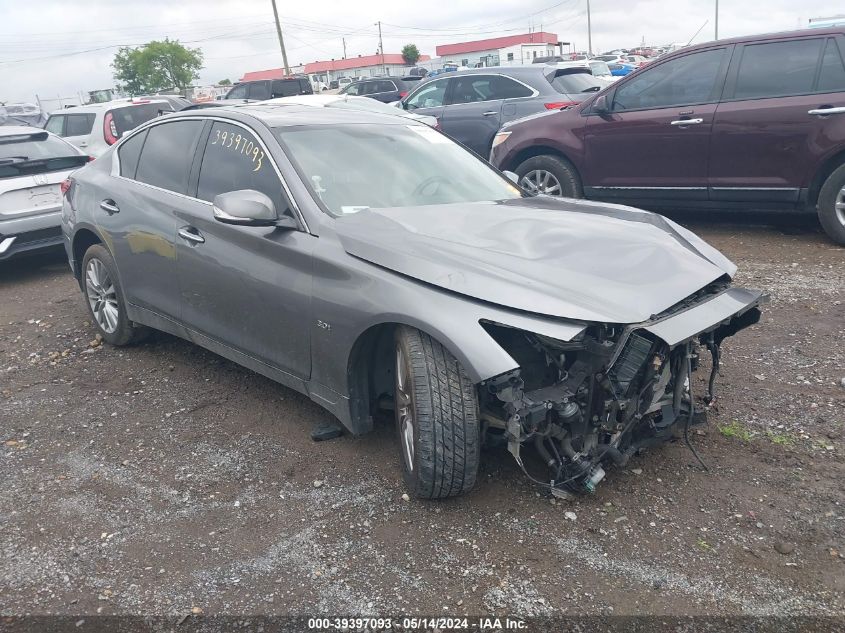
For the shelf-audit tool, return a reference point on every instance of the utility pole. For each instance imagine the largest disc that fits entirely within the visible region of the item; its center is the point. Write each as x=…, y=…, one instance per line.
x=589, y=31
x=281, y=39
x=717, y=19
x=344, y=48
x=381, y=48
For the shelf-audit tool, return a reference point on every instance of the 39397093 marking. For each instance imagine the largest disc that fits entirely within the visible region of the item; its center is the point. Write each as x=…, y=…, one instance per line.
x=240, y=145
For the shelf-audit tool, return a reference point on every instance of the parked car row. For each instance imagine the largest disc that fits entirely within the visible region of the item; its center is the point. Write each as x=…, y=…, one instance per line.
x=748, y=123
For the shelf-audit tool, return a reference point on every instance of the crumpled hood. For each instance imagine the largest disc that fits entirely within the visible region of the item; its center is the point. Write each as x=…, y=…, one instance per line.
x=563, y=258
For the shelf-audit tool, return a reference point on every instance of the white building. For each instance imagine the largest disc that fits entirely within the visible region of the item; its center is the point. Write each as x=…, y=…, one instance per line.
x=502, y=51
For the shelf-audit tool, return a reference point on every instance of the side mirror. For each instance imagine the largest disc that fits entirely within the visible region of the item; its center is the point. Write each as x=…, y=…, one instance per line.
x=512, y=177
x=245, y=207
x=600, y=105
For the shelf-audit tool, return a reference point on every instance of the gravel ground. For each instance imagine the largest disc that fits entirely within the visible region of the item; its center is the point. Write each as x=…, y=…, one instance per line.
x=160, y=478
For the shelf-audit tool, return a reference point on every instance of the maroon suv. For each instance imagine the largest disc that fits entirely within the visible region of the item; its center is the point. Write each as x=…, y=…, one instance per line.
x=747, y=123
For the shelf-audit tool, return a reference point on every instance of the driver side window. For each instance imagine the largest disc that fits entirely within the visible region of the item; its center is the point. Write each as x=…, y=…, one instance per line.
x=688, y=80
x=429, y=96
x=233, y=160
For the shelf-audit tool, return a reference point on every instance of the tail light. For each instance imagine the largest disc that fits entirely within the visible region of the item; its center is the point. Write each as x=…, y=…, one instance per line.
x=560, y=105
x=403, y=94
x=65, y=186
x=109, y=129
x=90, y=158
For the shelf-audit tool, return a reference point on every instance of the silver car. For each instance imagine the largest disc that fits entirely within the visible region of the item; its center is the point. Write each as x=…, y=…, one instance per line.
x=33, y=165
x=370, y=262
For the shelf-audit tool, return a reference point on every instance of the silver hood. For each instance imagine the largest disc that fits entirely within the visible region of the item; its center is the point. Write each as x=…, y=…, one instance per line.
x=563, y=258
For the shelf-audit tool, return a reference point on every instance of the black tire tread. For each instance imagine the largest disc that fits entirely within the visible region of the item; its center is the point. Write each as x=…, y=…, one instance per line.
x=826, y=205
x=127, y=332
x=446, y=414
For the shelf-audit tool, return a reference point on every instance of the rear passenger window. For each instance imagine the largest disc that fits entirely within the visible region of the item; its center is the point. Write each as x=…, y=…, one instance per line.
x=128, y=154
x=832, y=75
x=259, y=91
x=167, y=155
x=238, y=92
x=235, y=160
x=79, y=124
x=778, y=69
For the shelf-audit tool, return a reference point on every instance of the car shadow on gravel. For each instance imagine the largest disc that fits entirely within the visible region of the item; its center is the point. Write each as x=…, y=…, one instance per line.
x=787, y=223
x=30, y=267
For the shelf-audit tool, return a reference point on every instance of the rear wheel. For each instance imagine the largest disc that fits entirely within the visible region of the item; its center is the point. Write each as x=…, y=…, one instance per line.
x=436, y=417
x=831, y=205
x=550, y=175
x=105, y=300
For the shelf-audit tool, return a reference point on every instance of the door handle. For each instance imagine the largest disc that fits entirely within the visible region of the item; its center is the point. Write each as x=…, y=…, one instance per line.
x=826, y=111
x=489, y=113
x=191, y=234
x=109, y=206
x=684, y=122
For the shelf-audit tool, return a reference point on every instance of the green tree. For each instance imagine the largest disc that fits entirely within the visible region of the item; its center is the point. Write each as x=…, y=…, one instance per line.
x=156, y=66
x=410, y=53
x=224, y=82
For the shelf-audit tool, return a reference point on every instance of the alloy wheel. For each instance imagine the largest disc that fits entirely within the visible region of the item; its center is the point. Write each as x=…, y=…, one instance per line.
x=404, y=409
x=840, y=206
x=541, y=181
x=102, y=295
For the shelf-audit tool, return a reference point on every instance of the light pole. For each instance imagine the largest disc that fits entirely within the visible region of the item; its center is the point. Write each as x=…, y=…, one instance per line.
x=281, y=39
x=589, y=31
x=717, y=19
x=381, y=48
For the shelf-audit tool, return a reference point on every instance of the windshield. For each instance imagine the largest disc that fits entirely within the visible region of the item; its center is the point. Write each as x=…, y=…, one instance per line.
x=354, y=167
x=363, y=103
x=600, y=69
x=32, y=147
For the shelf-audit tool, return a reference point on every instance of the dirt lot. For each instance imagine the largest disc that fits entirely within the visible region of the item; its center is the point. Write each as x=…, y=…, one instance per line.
x=159, y=478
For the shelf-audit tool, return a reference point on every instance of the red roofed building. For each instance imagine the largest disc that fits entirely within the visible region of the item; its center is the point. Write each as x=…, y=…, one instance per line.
x=326, y=71
x=496, y=51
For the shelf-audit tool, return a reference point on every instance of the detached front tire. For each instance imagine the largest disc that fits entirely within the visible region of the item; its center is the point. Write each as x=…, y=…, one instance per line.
x=550, y=175
x=105, y=300
x=436, y=417
x=831, y=206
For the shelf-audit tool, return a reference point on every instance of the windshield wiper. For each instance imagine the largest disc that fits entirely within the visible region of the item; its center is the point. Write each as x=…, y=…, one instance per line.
x=13, y=159
x=592, y=89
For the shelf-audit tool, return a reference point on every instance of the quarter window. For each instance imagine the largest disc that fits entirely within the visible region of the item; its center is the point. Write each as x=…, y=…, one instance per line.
x=167, y=155
x=56, y=124
x=778, y=69
x=234, y=160
x=686, y=80
x=832, y=75
x=128, y=154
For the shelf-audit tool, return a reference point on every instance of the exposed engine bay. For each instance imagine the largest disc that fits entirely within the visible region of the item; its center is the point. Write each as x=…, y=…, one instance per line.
x=600, y=398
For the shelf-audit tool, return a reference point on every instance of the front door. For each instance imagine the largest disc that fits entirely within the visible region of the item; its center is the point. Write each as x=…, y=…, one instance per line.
x=428, y=99
x=654, y=141
x=783, y=112
x=248, y=288
x=473, y=111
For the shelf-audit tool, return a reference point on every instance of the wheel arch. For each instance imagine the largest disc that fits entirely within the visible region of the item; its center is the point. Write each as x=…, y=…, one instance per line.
x=830, y=165
x=369, y=367
x=538, y=150
x=83, y=239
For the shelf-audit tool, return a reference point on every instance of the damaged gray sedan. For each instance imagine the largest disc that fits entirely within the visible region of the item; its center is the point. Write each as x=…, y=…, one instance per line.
x=371, y=263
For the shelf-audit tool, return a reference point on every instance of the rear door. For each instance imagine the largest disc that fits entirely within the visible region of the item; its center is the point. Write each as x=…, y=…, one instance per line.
x=259, y=90
x=783, y=113
x=654, y=141
x=246, y=287
x=385, y=90
x=474, y=109
x=78, y=128
x=138, y=212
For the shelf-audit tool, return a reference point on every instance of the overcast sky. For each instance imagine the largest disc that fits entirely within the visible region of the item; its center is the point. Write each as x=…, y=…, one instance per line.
x=49, y=47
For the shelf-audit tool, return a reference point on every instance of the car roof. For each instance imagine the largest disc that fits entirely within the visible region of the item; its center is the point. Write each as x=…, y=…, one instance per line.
x=18, y=130
x=764, y=37
x=282, y=115
x=107, y=105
